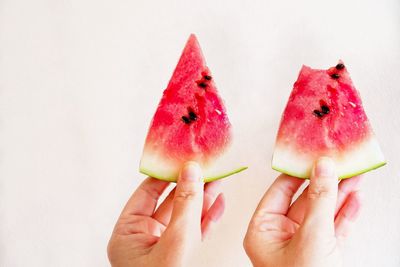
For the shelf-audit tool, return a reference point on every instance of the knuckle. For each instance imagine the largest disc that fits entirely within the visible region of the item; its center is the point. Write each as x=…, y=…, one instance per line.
x=152, y=192
x=111, y=249
x=188, y=191
x=320, y=191
x=186, y=195
x=246, y=243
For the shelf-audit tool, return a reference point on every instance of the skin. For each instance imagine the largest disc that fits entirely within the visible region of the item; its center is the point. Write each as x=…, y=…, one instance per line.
x=145, y=235
x=309, y=232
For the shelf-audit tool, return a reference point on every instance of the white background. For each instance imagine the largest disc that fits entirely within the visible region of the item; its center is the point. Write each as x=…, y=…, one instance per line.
x=80, y=80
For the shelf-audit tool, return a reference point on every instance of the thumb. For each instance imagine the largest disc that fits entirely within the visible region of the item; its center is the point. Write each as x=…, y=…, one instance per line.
x=183, y=232
x=188, y=201
x=321, y=197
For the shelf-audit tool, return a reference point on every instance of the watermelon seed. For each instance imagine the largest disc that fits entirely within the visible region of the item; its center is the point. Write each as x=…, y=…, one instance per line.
x=335, y=76
x=340, y=66
x=207, y=77
x=202, y=84
x=185, y=119
x=325, y=109
x=318, y=113
x=192, y=116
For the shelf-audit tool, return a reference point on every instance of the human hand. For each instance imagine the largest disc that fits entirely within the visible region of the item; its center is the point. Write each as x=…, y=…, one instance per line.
x=146, y=236
x=308, y=233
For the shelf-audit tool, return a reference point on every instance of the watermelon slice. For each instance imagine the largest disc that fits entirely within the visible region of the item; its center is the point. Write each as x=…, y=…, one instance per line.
x=190, y=123
x=325, y=117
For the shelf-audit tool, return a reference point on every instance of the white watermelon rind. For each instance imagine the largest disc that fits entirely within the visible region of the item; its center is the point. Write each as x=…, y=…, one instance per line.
x=364, y=157
x=207, y=179
x=163, y=166
x=344, y=176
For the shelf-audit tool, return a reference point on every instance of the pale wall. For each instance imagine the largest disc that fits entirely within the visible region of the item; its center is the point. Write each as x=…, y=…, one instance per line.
x=80, y=80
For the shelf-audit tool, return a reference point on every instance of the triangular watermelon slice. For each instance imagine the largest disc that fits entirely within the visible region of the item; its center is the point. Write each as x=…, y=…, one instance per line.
x=325, y=117
x=190, y=123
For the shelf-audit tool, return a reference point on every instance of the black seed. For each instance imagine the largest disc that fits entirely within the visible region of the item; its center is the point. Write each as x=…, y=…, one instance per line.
x=192, y=116
x=207, y=77
x=340, y=66
x=325, y=109
x=318, y=113
x=335, y=76
x=202, y=85
x=185, y=119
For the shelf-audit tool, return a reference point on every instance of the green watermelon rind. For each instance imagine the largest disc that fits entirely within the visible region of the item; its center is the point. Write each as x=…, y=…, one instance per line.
x=206, y=180
x=345, y=176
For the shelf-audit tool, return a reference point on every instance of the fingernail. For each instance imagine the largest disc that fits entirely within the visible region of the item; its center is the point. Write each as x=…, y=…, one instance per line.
x=325, y=167
x=191, y=171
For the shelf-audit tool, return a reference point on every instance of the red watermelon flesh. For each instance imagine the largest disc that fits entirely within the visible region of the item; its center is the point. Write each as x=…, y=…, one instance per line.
x=190, y=123
x=325, y=117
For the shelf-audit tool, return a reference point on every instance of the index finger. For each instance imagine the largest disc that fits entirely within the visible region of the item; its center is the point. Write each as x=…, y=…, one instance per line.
x=144, y=200
x=278, y=197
